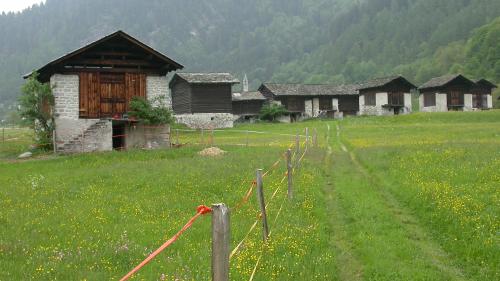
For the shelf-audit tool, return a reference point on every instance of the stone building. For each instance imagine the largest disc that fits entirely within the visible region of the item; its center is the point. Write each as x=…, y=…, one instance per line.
x=93, y=87
x=203, y=100
x=310, y=101
x=385, y=96
x=447, y=93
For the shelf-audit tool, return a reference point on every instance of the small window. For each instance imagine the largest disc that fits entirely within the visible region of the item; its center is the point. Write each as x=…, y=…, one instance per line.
x=370, y=99
x=429, y=99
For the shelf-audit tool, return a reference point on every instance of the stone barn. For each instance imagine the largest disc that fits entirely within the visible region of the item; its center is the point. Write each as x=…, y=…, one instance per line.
x=310, y=101
x=447, y=93
x=482, y=98
x=203, y=100
x=93, y=87
x=385, y=96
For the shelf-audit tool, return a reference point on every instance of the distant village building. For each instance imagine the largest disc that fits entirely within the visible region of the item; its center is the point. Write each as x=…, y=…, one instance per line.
x=93, y=87
x=482, y=94
x=309, y=101
x=447, y=93
x=203, y=100
x=385, y=96
x=247, y=105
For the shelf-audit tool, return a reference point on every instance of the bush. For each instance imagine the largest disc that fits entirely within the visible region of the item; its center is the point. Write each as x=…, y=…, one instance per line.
x=151, y=112
x=272, y=111
x=36, y=109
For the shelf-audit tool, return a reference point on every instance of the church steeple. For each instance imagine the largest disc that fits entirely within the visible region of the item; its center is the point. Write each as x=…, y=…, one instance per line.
x=245, y=84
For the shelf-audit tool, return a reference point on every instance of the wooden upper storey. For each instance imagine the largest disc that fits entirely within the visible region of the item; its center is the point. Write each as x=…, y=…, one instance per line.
x=115, y=53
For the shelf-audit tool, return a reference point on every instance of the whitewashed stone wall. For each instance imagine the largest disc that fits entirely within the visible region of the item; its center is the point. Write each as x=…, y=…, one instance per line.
x=315, y=107
x=158, y=86
x=66, y=90
x=408, y=103
x=284, y=119
x=441, y=103
x=468, y=102
x=489, y=101
x=206, y=120
x=335, y=104
x=308, y=113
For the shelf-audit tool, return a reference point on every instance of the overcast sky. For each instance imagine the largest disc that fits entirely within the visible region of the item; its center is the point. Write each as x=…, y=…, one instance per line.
x=16, y=5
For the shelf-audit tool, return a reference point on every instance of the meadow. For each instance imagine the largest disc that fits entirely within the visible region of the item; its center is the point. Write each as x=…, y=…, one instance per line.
x=382, y=198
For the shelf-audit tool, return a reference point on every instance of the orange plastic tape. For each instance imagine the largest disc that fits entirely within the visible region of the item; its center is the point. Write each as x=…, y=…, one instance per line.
x=201, y=210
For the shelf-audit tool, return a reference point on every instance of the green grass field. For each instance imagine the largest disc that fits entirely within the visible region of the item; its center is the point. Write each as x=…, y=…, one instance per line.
x=384, y=198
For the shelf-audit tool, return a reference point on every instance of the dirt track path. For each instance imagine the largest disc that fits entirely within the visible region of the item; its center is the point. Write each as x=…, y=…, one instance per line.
x=375, y=236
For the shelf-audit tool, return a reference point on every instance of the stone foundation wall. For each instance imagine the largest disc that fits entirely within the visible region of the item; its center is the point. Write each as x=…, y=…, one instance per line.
x=308, y=112
x=83, y=135
x=206, y=120
x=315, y=107
x=140, y=136
x=489, y=101
x=408, y=103
x=468, y=102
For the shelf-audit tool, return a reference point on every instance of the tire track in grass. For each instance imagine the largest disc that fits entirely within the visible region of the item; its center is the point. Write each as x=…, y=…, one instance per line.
x=348, y=266
x=414, y=233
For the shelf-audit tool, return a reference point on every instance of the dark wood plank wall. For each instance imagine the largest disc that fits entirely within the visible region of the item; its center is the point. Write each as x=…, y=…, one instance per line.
x=294, y=104
x=181, y=97
x=349, y=104
x=247, y=107
x=103, y=95
x=211, y=98
x=325, y=103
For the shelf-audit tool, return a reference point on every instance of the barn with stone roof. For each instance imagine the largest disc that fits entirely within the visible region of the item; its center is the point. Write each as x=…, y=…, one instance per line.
x=385, y=96
x=309, y=101
x=203, y=100
x=447, y=93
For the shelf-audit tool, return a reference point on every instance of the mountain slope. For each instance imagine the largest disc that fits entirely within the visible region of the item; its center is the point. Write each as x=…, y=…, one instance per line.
x=279, y=40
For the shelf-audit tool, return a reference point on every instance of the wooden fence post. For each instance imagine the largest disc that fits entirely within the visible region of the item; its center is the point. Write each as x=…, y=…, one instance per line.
x=297, y=144
x=262, y=204
x=221, y=238
x=289, y=172
x=247, y=140
x=328, y=134
x=307, y=138
x=315, y=137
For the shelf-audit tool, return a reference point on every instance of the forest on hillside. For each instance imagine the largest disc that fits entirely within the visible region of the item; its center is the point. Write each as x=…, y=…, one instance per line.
x=307, y=41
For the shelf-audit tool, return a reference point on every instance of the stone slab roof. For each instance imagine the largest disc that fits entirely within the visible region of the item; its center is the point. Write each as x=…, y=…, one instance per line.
x=383, y=81
x=442, y=81
x=310, y=90
x=248, y=96
x=208, y=78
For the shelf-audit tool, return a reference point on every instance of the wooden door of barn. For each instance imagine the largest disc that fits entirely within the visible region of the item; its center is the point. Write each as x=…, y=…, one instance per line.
x=104, y=95
x=113, y=96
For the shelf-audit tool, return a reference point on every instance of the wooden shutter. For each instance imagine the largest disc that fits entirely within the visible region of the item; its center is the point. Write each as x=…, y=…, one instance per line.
x=89, y=95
